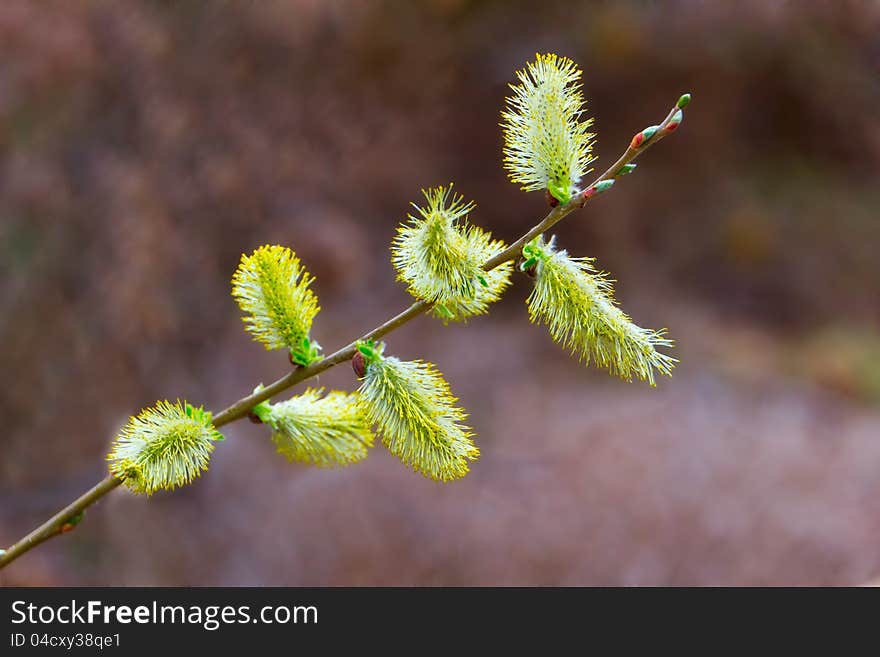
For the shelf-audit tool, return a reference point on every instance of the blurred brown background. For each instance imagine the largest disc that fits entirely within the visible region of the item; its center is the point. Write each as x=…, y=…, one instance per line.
x=145, y=145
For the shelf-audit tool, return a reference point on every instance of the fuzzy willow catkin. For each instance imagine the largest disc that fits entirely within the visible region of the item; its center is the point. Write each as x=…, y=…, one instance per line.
x=318, y=430
x=163, y=447
x=272, y=289
x=576, y=302
x=416, y=414
x=440, y=257
x=546, y=144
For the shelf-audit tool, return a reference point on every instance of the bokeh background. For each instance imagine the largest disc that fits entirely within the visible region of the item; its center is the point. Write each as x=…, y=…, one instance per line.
x=145, y=145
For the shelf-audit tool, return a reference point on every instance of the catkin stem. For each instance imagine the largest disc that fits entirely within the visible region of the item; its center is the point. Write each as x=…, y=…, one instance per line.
x=54, y=526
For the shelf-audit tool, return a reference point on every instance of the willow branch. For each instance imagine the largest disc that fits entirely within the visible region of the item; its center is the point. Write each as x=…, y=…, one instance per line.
x=579, y=200
x=61, y=521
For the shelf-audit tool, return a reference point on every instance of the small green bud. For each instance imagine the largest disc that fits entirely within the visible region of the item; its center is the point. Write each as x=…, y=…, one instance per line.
x=675, y=121
x=644, y=136
x=598, y=188
x=625, y=169
x=72, y=522
x=684, y=101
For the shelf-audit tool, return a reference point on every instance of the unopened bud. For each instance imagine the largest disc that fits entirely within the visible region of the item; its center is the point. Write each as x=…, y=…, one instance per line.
x=675, y=121
x=598, y=188
x=644, y=136
x=72, y=522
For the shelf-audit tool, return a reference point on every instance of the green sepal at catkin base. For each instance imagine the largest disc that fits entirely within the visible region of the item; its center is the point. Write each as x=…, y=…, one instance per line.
x=272, y=290
x=163, y=447
x=416, y=415
x=546, y=144
x=319, y=430
x=576, y=302
x=561, y=191
x=440, y=257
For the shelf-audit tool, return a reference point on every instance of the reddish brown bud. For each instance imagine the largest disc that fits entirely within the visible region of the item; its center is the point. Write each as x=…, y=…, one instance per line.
x=552, y=201
x=359, y=365
x=253, y=417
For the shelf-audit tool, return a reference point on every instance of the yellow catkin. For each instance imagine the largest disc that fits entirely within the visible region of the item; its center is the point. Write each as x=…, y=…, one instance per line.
x=416, y=416
x=163, y=447
x=319, y=430
x=272, y=290
x=576, y=302
x=546, y=144
x=440, y=256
